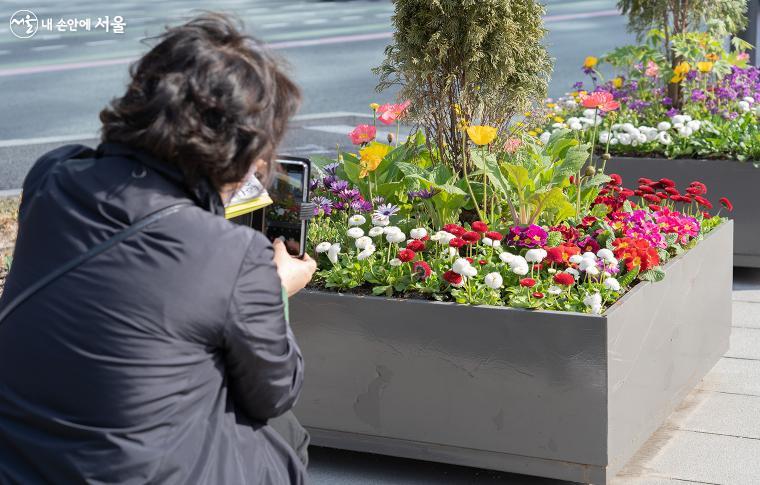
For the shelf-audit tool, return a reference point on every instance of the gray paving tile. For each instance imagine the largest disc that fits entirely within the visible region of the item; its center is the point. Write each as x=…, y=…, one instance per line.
x=719, y=413
x=697, y=457
x=745, y=343
x=737, y=376
x=746, y=314
x=651, y=480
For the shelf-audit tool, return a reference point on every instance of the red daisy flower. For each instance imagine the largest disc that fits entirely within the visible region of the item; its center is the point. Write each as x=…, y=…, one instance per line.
x=457, y=242
x=454, y=229
x=702, y=201
x=528, y=282
x=538, y=294
x=496, y=236
x=471, y=237
x=726, y=203
x=452, y=277
x=416, y=245
x=422, y=270
x=479, y=226
x=406, y=255
x=563, y=278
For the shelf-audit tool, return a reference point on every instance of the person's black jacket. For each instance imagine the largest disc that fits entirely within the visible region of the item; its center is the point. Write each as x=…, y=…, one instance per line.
x=158, y=361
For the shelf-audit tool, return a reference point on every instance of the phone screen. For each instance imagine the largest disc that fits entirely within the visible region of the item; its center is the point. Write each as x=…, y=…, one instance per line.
x=288, y=190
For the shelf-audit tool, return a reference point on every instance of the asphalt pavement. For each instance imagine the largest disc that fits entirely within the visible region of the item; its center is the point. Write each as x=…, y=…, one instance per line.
x=53, y=84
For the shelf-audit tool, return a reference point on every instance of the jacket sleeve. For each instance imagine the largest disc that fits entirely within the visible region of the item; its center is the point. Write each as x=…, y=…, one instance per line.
x=262, y=359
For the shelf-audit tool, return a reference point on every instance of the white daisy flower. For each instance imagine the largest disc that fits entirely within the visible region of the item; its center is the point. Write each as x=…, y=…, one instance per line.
x=332, y=253
x=355, y=232
x=664, y=138
x=356, y=220
x=575, y=258
x=506, y=256
x=380, y=220
x=363, y=242
x=395, y=262
x=554, y=290
x=322, y=247
x=695, y=125
x=663, y=126
x=605, y=254
x=612, y=284
x=494, y=280
x=418, y=233
x=366, y=252
x=535, y=255
x=461, y=266
x=594, y=302
x=375, y=231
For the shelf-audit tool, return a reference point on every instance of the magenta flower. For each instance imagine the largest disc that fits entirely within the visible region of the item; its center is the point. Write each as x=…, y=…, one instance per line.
x=532, y=236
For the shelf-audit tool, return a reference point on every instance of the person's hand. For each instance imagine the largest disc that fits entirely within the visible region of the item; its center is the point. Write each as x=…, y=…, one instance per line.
x=294, y=273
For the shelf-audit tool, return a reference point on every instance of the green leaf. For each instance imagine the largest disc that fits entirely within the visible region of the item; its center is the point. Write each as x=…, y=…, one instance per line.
x=628, y=277
x=555, y=237
x=654, y=275
x=600, y=210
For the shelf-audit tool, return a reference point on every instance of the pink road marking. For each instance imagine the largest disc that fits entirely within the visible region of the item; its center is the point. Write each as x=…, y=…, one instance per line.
x=340, y=39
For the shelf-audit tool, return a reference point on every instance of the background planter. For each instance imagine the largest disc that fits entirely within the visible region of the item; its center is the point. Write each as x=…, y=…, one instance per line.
x=563, y=395
x=739, y=181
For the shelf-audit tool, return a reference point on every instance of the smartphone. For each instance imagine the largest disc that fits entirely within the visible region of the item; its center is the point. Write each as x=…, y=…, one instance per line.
x=289, y=191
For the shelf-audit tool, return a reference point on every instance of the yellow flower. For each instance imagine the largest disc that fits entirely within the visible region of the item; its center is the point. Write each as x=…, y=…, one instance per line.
x=682, y=68
x=712, y=57
x=679, y=72
x=539, y=130
x=617, y=82
x=527, y=114
x=481, y=135
x=551, y=105
x=704, y=66
x=590, y=62
x=533, y=133
x=374, y=106
x=559, y=119
x=371, y=156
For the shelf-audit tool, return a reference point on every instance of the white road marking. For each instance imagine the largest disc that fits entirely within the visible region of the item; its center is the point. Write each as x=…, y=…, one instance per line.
x=100, y=42
x=47, y=139
x=329, y=114
x=91, y=136
x=48, y=47
x=279, y=25
x=346, y=129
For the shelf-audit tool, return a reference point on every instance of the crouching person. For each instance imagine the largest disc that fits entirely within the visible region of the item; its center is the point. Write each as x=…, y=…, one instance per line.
x=143, y=337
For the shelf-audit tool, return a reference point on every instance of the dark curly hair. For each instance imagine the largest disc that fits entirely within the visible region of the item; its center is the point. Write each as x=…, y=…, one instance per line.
x=207, y=98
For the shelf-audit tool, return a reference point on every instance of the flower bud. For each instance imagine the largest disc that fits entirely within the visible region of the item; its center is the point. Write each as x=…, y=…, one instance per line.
x=390, y=137
x=606, y=156
x=590, y=171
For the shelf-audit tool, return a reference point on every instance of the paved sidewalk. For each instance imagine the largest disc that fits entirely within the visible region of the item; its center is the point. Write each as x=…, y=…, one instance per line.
x=712, y=438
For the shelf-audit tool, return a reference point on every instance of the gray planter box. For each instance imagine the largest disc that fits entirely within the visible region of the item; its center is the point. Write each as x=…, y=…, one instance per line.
x=739, y=181
x=562, y=395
